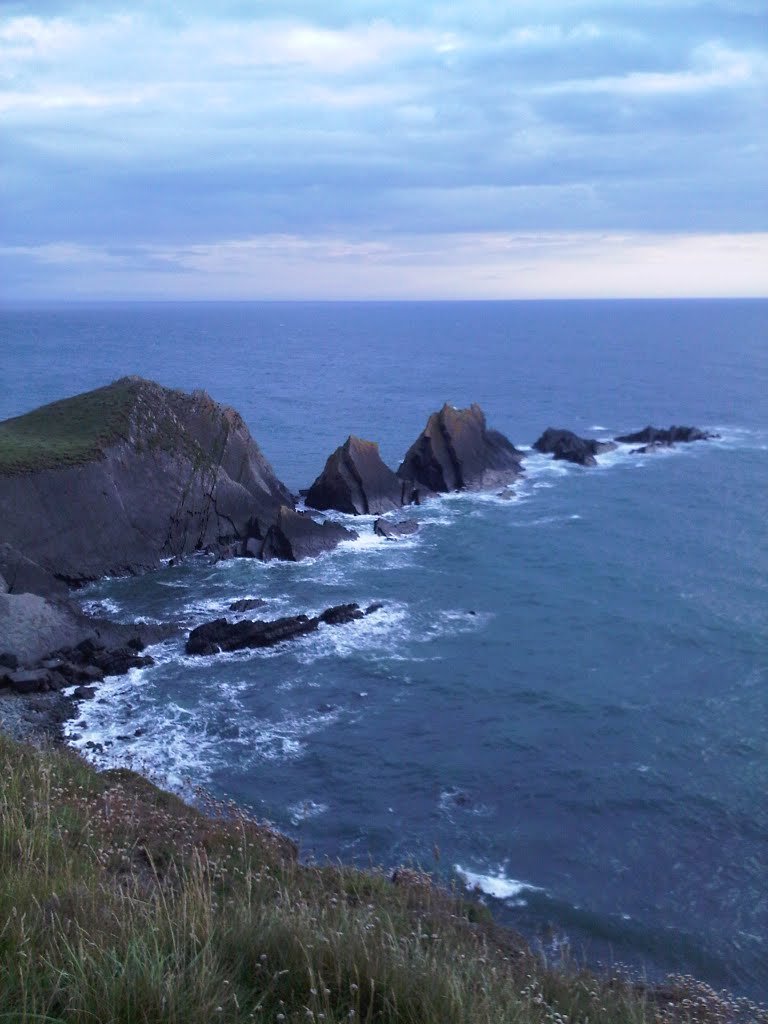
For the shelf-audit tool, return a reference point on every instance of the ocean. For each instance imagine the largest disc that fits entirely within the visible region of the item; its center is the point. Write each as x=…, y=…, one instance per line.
x=564, y=699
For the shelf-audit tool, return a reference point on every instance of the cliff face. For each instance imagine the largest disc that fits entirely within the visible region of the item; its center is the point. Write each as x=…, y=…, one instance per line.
x=116, y=480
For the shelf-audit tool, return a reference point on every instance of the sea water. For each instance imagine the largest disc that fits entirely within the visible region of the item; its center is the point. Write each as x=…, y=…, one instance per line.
x=563, y=701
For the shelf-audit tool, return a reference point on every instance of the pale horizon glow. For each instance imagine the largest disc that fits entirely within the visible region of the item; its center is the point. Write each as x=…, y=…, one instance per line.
x=572, y=149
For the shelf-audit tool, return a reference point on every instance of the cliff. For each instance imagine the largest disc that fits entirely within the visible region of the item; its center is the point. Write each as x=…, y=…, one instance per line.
x=114, y=480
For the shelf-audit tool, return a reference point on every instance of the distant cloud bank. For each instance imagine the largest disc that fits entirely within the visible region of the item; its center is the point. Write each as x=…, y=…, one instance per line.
x=454, y=149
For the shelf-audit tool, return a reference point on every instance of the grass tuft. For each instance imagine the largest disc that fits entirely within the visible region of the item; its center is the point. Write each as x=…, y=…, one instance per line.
x=119, y=903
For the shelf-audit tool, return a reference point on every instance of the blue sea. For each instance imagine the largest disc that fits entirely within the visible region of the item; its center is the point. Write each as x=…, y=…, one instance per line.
x=564, y=699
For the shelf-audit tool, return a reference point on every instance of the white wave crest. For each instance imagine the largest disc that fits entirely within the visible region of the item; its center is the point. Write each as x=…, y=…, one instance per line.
x=499, y=885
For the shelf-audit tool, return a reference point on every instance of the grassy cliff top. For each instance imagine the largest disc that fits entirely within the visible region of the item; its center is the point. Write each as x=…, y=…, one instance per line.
x=119, y=903
x=68, y=432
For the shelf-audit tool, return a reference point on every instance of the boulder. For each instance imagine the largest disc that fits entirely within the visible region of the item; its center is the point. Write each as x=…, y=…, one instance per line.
x=246, y=604
x=28, y=681
x=294, y=536
x=567, y=446
x=355, y=480
x=666, y=436
x=456, y=451
x=31, y=627
x=395, y=531
x=221, y=635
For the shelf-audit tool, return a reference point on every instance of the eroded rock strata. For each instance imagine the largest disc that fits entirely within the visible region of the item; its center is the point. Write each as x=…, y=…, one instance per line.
x=456, y=451
x=567, y=446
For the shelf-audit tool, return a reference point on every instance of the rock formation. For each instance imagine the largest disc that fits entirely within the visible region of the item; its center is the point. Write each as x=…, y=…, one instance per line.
x=295, y=535
x=220, y=635
x=663, y=437
x=395, y=531
x=356, y=480
x=565, y=445
x=114, y=480
x=456, y=451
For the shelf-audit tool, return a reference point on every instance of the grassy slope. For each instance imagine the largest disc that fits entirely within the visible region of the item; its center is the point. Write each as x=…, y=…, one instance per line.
x=118, y=903
x=68, y=432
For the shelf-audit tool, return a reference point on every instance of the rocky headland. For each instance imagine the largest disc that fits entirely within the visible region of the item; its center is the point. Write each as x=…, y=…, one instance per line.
x=127, y=477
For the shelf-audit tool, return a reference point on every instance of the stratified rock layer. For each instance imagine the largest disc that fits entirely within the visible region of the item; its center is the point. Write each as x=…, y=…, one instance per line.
x=456, y=451
x=356, y=480
x=117, y=479
x=567, y=446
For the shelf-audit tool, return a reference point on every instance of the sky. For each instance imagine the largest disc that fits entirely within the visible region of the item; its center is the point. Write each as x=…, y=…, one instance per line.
x=361, y=150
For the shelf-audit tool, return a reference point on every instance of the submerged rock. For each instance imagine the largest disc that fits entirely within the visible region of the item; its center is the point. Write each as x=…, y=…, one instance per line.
x=220, y=635
x=663, y=437
x=569, y=447
x=294, y=536
x=395, y=531
x=456, y=451
x=356, y=480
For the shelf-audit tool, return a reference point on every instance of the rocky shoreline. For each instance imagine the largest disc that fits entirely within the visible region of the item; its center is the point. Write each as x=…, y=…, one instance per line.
x=125, y=478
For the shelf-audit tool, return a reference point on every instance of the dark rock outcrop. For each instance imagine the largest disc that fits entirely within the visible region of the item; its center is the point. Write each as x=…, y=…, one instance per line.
x=666, y=436
x=247, y=604
x=395, y=531
x=117, y=479
x=567, y=446
x=220, y=635
x=456, y=451
x=294, y=536
x=356, y=480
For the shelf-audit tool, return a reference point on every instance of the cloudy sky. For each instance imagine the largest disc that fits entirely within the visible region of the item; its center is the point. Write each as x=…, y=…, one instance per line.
x=290, y=149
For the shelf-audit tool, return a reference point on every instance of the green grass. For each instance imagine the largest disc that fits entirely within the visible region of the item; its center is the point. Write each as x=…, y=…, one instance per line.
x=69, y=432
x=121, y=904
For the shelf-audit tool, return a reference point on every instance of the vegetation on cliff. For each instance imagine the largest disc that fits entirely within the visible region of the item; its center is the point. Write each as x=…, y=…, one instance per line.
x=119, y=903
x=68, y=432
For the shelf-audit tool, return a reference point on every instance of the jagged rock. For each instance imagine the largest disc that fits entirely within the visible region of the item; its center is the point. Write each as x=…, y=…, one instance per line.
x=247, y=604
x=665, y=437
x=220, y=635
x=394, y=531
x=456, y=451
x=565, y=445
x=294, y=536
x=375, y=607
x=118, y=479
x=8, y=660
x=355, y=480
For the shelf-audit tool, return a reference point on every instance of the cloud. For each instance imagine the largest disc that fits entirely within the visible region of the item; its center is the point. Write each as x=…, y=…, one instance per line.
x=140, y=129
x=714, y=67
x=489, y=265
